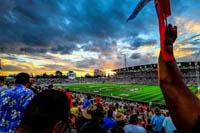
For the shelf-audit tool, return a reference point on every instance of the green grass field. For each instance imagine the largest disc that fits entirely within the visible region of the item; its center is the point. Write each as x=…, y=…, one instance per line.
x=149, y=93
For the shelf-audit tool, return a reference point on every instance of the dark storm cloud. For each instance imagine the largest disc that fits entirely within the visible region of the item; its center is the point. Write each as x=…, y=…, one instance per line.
x=31, y=50
x=141, y=42
x=104, y=47
x=50, y=23
x=135, y=56
x=10, y=58
x=54, y=67
x=57, y=26
x=14, y=68
x=86, y=63
x=147, y=58
x=65, y=49
x=137, y=42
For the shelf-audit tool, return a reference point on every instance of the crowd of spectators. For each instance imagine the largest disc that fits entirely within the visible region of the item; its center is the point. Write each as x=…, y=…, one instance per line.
x=39, y=109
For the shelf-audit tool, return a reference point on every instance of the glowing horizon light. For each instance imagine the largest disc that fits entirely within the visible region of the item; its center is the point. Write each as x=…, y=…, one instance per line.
x=110, y=73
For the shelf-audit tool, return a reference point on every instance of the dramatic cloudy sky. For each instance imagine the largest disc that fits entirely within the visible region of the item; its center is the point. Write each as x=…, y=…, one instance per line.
x=39, y=36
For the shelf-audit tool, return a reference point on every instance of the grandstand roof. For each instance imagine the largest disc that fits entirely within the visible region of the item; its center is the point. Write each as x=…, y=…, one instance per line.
x=153, y=67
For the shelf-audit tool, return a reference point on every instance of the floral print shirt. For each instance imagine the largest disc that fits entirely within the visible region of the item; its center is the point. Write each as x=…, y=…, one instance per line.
x=12, y=103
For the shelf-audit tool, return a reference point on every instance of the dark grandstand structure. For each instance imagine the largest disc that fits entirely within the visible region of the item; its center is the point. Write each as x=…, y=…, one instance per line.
x=147, y=74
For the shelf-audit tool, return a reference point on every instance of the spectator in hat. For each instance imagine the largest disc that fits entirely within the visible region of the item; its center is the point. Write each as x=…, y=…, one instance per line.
x=74, y=114
x=13, y=102
x=2, y=85
x=109, y=122
x=87, y=116
x=47, y=113
x=132, y=126
x=119, y=117
x=94, y=125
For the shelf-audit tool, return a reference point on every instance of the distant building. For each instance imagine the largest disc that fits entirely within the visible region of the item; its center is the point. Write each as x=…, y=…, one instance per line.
x=98, y=73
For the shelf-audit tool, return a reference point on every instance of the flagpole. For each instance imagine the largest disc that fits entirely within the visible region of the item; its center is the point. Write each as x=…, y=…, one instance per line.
x=165, y=13
x=166, y=22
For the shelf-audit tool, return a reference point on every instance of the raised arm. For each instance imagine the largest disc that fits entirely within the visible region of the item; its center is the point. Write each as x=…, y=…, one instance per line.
x=183, y=105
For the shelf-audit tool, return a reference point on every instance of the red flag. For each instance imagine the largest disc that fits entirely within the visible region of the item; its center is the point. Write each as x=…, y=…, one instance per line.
x=163, y=11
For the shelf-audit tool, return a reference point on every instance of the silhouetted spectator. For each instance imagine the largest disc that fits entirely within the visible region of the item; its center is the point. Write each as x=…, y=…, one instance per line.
x=94, y=126
x=47, y=113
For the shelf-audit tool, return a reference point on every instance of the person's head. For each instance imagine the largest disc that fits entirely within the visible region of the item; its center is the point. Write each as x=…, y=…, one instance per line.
x=92, y=128
x=157, y=111
x=97, y=116
x=22, y=78
x=98, y=99
x=148, y=121
x=87, y=113
x=89, y=97
x=134, y=119
x=31, y=82
x=110, y=113
x=167, y=114
x=1, y=81
x=46, y=113
x=50, y=87
x=116, y=129
x=148, y=110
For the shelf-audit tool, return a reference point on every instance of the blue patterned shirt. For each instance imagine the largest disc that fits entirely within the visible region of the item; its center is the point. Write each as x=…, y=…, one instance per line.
x=12, y=103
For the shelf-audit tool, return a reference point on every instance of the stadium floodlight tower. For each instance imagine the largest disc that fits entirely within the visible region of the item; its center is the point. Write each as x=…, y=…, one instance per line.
x=125, y=69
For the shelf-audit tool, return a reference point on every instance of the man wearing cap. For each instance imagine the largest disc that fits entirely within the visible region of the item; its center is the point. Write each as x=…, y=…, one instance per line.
x=109, y=122
x=132, y=127
x=13, y=102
